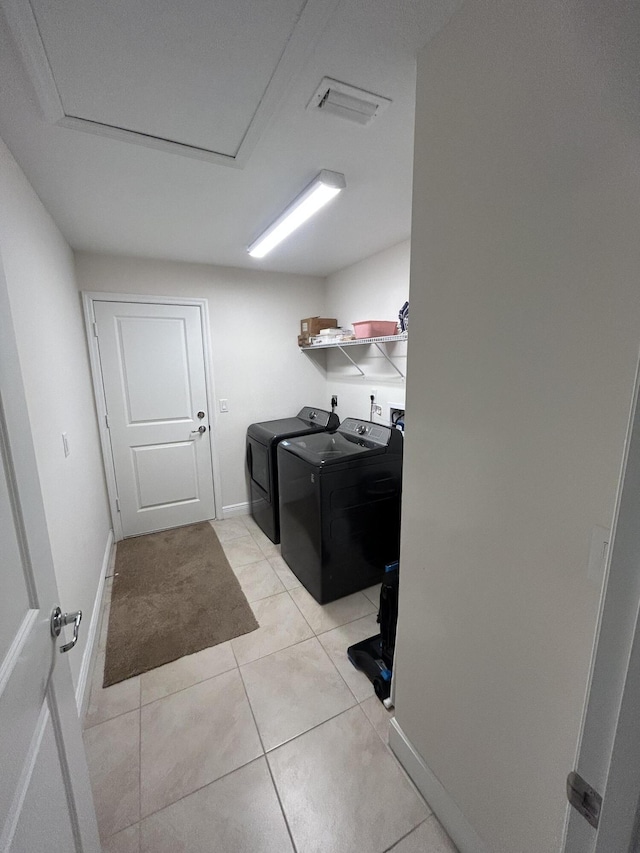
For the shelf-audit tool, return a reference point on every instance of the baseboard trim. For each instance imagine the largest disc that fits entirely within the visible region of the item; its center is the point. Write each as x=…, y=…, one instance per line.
x=440, y=801
x=82, y=694
x=232, y=510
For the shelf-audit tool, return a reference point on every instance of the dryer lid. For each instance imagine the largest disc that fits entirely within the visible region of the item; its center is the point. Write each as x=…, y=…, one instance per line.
x=307, y=420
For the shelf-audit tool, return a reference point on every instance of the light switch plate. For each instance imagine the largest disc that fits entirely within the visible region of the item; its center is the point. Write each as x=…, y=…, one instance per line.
x=224, y=405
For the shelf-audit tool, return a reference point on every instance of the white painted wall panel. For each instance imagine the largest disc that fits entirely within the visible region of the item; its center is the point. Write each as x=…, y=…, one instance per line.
x=51, y=340
x=373, y=289
x=525, y=327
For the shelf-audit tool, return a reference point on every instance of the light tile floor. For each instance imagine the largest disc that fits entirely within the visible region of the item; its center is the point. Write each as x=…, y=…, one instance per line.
x=271, y=742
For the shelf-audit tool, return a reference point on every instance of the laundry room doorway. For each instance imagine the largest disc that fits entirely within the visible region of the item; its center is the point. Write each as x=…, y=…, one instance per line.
x=153, y=386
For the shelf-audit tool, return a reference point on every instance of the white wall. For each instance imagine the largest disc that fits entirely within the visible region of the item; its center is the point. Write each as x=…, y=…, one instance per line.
x=525, y=327
x=373, y=289
x=255, y=322
x=47, y=317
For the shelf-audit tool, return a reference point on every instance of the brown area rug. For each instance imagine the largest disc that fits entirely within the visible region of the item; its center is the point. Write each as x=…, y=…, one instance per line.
x=174, y=593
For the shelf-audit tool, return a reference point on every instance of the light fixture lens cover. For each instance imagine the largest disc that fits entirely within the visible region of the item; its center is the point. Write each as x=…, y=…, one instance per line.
x=324, y=187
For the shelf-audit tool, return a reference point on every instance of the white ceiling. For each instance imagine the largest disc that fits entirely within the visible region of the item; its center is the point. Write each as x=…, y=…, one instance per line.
x=179, y=130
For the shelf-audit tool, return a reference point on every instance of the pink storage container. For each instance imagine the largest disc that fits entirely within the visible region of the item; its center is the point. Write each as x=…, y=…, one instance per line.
x=375, y=328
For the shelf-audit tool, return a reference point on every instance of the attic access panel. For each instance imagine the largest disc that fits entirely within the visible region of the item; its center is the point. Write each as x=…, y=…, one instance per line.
x=199, y=76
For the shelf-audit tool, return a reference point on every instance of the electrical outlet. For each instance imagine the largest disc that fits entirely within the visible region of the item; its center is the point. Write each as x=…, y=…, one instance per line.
x=377, y=410
x=334, y=401
x=374, y=393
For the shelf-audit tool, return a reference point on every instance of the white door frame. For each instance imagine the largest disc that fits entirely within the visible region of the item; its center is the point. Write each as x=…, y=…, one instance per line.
x=608, y=755
x=88, y=300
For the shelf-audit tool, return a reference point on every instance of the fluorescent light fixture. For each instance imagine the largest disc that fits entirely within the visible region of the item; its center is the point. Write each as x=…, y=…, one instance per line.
x=321, y=189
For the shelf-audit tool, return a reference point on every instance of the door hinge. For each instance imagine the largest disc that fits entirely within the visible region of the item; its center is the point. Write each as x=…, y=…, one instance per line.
x=585, y=799
x=117, y=505
x=95, y=329
x=106, y=420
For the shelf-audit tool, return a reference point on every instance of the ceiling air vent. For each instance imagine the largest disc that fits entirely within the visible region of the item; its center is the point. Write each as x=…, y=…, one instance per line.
x=347, y=102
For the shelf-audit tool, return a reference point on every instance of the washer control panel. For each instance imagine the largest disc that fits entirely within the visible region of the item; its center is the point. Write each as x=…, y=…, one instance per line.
x=356, y=429
x=315, y=416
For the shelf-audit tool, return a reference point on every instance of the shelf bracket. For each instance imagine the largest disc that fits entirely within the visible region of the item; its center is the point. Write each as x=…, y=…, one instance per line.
x=346, y=354
x=383, y=353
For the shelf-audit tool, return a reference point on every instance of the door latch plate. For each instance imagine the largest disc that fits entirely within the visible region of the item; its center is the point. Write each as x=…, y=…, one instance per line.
x=585, y=799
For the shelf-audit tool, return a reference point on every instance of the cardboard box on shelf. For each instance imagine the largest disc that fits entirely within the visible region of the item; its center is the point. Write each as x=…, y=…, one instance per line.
x=311, y=326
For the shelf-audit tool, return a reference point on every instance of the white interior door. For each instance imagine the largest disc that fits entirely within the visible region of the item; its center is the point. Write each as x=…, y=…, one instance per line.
x=45, y=796
x=153, y=375
x=609, y=754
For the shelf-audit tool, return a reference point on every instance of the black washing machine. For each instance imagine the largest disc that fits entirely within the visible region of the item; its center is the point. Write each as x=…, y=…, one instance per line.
x=262, y=462
x=340, y=506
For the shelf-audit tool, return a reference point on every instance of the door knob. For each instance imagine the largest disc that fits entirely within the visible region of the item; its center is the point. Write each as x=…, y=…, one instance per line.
x=59, y=620
x=201, y=429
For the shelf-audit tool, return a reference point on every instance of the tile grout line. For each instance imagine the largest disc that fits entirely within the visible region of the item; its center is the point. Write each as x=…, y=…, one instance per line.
x=315, y=635
x=124, y=829
x=195, y=791
x=266, y=555
x=273, y=781
x=213, y=781
x=314, y=727
x=253, y=716
x=233, y=653
x=388, y=749
x=284, y=592
x=333, y=627
x=344, y=680
x=277, y=651
x=301, y=734
x=236, y=665
x=166, y=696
x=318, y=725
x=202, y=680
x=385, y=742
x=286, y=820
x=301, y=613
x=406, y=835
x=357, y=702
x=261, y=598
x=189, y=686
x=264, y=755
